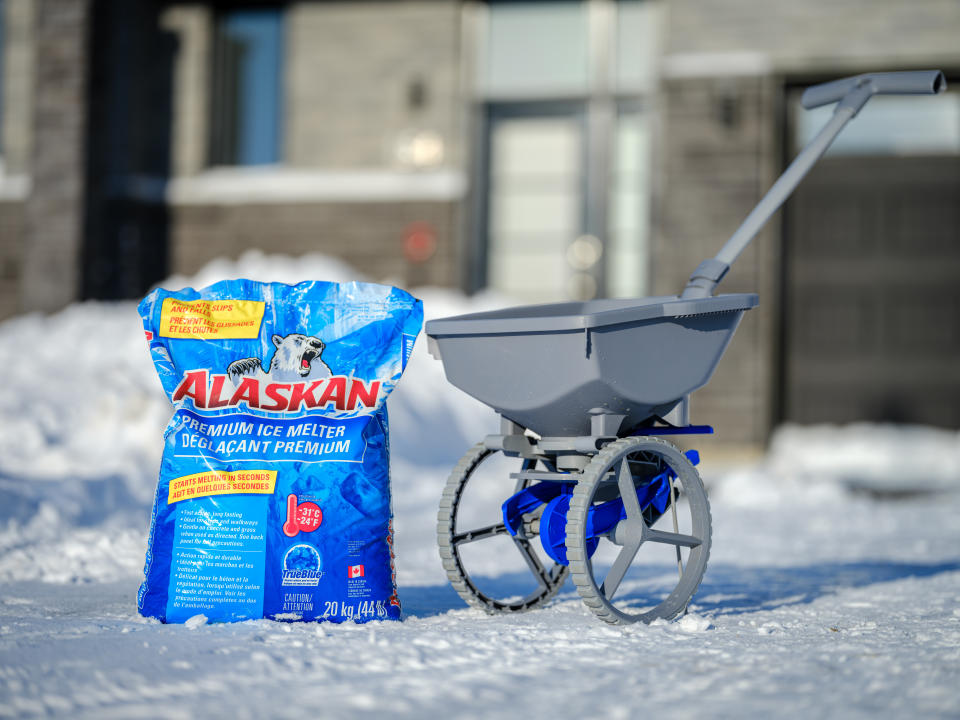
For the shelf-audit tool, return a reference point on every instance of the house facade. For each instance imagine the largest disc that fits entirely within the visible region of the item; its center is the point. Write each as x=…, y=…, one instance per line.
x=547, y=150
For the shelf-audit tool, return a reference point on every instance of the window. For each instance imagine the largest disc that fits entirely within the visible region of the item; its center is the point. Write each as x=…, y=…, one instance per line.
x=536, y=48
x=627, y=246
x=247, y=88
x=890, y=125
x=566, y=90
x=637, y=45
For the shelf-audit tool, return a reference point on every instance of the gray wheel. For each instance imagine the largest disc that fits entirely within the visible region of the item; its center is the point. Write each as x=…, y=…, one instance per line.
x=454, y=535
x=653, y=560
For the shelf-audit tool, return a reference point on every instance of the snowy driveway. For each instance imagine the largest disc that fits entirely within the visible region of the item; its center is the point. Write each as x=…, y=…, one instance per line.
x=777, y=628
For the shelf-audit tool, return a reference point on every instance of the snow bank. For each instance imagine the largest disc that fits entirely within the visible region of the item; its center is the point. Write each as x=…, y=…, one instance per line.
x=821, y=463
x=880, y=458
x=80, y=413
x=82, y=416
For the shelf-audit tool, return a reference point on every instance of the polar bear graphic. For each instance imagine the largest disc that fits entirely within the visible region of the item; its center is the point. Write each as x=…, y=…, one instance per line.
x=297, y=357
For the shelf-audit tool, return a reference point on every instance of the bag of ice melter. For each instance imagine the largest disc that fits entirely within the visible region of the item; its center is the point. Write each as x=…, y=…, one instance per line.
x=274, y=491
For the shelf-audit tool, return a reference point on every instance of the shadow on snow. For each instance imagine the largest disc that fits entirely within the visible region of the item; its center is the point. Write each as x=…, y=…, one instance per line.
x=745, y=589
x=726, y=589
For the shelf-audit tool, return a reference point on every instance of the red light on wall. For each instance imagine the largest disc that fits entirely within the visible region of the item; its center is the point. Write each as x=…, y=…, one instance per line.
x=419, y=242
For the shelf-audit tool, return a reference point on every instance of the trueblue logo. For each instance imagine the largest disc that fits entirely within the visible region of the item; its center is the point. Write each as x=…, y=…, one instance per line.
x=301, y=566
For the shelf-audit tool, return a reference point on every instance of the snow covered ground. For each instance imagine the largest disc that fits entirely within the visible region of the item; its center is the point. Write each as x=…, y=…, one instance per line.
x=833, y=588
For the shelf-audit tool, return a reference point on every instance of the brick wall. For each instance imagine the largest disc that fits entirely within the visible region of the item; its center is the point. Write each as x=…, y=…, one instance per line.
x=15, y=145
x=361, y=74
x=192, y=25
x=359, y=77
x=726, y=64
x=369, y=236
x=820, y=35
x=18, y=73
x=11, y=238
x=718, y=156
x=54, y=210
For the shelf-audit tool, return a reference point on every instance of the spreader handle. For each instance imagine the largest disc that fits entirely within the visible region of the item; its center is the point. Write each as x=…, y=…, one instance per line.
x=920, y=82
x=850, y=94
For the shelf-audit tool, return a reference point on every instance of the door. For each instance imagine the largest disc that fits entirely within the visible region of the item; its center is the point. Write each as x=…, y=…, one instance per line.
x=535, y=199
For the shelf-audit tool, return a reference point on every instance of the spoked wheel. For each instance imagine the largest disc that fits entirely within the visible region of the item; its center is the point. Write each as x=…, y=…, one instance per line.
x=648, y=565
x=462, y=529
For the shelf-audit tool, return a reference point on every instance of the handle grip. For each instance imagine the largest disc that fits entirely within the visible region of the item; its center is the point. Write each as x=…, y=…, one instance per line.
x=919, y=82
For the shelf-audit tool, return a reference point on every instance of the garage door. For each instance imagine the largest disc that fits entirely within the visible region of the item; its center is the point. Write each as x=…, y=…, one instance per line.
x=872, y=292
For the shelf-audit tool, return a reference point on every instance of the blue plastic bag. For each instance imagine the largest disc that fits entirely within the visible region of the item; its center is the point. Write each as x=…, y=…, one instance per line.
x=274, y=491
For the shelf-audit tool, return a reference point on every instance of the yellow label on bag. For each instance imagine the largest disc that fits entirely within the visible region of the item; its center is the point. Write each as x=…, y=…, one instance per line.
x=213, y=482
x=211, y=319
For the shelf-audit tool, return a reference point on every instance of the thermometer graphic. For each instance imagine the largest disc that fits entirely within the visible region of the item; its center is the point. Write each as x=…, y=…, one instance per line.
x=291, y=527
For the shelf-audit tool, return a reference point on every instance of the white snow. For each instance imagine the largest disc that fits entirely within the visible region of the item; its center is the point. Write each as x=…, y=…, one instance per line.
x=192, y=623
x=832, y=590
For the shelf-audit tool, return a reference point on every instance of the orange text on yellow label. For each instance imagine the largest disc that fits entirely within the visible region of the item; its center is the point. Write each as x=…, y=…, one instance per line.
x=211, y=319
x=214, y=482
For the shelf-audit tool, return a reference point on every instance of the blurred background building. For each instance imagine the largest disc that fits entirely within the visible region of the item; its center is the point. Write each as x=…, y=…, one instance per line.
x=548, y=150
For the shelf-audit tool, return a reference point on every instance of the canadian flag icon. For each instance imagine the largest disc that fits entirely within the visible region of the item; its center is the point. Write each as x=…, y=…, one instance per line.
x=355, y=571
